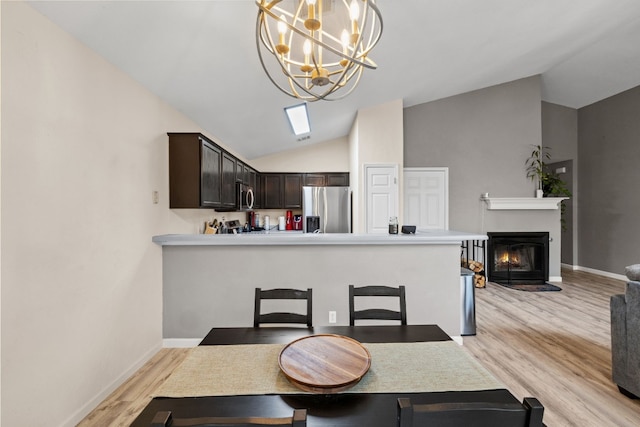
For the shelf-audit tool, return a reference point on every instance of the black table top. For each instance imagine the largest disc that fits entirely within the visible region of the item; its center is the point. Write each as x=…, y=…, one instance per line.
x=335, y=410
x=366, y=334
x=338, y=410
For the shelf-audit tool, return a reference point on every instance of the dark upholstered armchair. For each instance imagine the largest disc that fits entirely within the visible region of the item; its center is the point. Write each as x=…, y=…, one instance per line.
x=625, y=339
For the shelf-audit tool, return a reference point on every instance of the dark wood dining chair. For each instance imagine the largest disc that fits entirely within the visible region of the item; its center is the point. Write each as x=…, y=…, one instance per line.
x=377, y=313
x=166, y=419
x=478, y=414
x=283, y=317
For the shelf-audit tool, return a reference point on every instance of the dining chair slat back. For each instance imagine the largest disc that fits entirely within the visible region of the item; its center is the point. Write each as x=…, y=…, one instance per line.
x=377, y=313
x=478, y=414
x=283, y=317
x=166, y=419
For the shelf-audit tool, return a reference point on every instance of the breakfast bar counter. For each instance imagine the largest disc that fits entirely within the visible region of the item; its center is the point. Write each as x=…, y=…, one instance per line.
x=422, y=237
x=209, y=280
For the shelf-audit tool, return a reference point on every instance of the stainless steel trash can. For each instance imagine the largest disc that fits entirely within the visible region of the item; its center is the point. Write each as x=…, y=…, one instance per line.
x=468, y=299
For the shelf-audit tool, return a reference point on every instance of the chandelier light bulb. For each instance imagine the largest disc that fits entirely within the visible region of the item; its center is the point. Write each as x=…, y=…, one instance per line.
x=354, y=14
x=306, y=49
x=354, y=10
x=311, y=23
x=282, y=47
x=282, y=25
x=345, y=39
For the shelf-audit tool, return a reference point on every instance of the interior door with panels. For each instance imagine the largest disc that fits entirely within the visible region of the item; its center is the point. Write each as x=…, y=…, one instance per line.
x=381, y=197
x=426, y=198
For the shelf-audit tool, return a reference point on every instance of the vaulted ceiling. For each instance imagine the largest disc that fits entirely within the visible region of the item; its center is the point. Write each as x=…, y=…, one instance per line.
x=200, y=57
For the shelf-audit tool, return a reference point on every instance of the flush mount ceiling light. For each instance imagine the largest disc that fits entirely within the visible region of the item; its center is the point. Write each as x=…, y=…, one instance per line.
x=315, y=49
x=298, y=118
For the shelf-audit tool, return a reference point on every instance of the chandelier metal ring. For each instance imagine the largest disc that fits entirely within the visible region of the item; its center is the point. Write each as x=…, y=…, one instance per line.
x=301, y=54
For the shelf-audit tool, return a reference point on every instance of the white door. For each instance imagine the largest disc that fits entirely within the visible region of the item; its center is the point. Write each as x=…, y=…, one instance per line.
x=382, y=197
x=426, y=198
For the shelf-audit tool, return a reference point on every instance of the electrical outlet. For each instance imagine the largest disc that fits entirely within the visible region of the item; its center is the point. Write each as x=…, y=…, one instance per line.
x=332, y=317
x=154, y=197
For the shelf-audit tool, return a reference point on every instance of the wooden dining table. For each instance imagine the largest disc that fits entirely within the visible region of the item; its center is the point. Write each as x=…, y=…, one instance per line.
x=341, y=409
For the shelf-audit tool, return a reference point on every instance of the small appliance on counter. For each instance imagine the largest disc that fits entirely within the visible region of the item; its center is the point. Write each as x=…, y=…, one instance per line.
x=297, y=222
x=233, y=226
x=313, y=224
x=289, y=220
x=251, y=219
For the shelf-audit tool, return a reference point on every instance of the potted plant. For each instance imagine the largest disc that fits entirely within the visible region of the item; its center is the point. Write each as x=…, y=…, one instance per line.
x=535, y=165
x=548, y=184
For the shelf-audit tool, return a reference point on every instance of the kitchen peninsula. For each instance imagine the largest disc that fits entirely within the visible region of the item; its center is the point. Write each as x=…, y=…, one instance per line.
x=209, y=280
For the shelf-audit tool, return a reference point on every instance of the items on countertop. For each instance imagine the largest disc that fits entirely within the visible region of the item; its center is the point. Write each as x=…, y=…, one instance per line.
x=393, y=225
x=287, y=222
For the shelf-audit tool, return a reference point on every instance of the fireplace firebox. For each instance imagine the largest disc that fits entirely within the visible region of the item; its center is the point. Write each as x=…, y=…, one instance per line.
x=518, y=257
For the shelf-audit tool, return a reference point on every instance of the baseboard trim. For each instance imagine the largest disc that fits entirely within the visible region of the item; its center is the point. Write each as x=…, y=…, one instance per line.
x=557, y=279
x=78, y=415
x=569, y=266
x=602, y=273
x=180, y=342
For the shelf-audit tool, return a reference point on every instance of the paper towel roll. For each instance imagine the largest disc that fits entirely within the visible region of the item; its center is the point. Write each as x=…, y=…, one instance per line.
x=281, y=223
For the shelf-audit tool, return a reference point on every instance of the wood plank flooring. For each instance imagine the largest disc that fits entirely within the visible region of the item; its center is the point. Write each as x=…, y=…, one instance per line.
x=554, y=346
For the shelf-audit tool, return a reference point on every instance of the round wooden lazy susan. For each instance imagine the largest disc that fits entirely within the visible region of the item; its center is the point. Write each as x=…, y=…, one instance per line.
x=324, y=363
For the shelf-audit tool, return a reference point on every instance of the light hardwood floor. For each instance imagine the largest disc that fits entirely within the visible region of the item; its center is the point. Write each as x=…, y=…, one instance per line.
x=554, y=346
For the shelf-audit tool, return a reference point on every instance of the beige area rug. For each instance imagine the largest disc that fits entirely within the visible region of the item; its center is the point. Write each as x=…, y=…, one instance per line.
x=395, y=368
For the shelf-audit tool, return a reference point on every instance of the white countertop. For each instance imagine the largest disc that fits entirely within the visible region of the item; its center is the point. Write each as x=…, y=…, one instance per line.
x=279, y=238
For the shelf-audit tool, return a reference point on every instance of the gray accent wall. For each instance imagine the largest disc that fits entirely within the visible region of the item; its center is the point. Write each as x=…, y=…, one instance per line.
x=484, y=137
x=560, y=132
x=609, y=179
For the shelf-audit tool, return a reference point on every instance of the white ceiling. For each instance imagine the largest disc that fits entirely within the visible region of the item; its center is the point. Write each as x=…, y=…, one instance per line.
x=200, y=57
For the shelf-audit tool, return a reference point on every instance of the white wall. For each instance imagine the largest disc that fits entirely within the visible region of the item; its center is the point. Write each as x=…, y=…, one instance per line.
x=377, y=137
x=83, y=147
x=329, y=156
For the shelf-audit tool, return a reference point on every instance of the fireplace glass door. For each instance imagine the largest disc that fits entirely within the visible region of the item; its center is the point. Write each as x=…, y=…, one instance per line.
x=518, y=257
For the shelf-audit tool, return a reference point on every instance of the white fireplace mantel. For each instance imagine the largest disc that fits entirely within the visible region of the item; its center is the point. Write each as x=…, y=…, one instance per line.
x=523, y=203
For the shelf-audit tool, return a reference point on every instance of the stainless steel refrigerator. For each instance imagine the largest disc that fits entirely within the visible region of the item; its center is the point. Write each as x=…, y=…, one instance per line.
x=326, y=209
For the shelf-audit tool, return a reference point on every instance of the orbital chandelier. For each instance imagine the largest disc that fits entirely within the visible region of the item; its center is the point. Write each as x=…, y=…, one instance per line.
x=317, y=49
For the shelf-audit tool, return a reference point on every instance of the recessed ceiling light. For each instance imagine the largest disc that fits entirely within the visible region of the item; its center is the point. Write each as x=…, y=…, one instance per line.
x=298, y=118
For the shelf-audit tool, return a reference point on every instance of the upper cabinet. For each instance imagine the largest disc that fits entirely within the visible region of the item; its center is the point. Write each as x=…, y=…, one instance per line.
x=328, y=179
x=253, y=180
x=272, y=191
x=203, y=175
x=228, y=187
x=337, y=179
x=194, y=171
x=315, y=179
x=292, y=190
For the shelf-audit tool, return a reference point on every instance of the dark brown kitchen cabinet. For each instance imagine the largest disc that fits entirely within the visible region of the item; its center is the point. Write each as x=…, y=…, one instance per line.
x=194, y=171
x=253, y=181
x=228, y=185
x=272, y=191
x=329, y=179
x=337, y=179
x=292, y=190
x=240, y=172
x=314, y=179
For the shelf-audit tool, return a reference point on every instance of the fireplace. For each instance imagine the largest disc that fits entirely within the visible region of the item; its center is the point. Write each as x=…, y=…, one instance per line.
x=518, y=257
